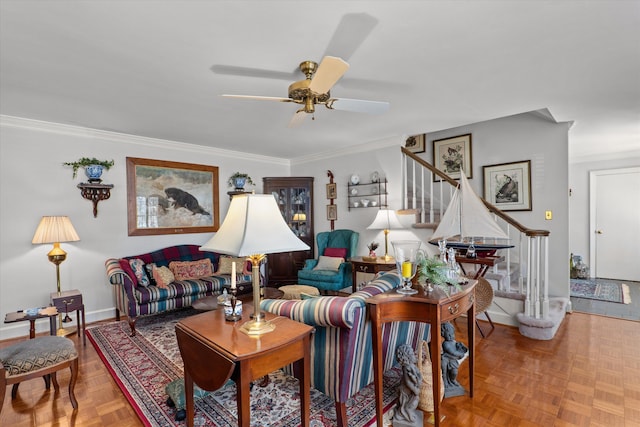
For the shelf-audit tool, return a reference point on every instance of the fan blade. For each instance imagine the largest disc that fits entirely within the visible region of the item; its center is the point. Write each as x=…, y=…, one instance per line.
x=351, y=32
x=259, y=98
x=297, y=119
x=254, y=72
x=358, y=105
x=329, y=72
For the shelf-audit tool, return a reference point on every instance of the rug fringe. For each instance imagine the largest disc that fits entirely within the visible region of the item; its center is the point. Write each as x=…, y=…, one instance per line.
x=626, y=296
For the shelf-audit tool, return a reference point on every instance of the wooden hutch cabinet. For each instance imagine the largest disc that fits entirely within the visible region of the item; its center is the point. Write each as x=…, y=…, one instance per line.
x=294, y=196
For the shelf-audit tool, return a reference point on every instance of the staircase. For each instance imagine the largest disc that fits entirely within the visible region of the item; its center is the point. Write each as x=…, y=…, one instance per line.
x=520, y=281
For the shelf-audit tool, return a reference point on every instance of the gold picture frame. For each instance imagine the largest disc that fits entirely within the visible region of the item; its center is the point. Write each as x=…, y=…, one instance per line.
x=166, y=197
x=453, y=154
x=332, y=212
x=332, y=191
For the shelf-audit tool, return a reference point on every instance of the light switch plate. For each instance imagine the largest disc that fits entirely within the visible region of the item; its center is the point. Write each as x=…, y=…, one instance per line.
x=548, y=215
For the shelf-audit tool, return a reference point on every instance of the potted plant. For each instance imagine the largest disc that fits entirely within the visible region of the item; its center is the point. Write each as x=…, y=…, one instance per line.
x=372, y=249
x=239, y=180
x=432, y=270
x=92, y=167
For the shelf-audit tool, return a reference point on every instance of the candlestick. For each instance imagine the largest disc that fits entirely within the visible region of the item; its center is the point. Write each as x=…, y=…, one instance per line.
x=230, y=314
x=233, y=275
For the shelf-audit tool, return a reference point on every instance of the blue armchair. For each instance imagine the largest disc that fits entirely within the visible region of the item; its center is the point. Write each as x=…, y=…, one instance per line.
x=337, y=243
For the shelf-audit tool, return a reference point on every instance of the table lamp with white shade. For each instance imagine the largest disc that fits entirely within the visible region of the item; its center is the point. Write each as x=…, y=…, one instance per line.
x=386, y=219
x=253, y=228
x=56, y=230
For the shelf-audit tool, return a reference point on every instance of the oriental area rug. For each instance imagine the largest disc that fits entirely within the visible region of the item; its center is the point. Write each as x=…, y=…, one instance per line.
x=143, y=365
x=601, y=290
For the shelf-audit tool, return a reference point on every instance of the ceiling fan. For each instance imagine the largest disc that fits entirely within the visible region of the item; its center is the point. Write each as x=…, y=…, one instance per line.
x=314, y=90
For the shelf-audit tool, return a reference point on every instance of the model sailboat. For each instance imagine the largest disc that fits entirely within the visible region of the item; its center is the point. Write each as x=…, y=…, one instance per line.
x=467, y=220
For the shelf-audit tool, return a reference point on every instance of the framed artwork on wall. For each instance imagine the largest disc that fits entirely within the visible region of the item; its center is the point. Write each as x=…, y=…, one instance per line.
x=166, y=197
x=331, y=191
x=451, y=155
x=507, y=186
x=332, y=212
x=415, y=143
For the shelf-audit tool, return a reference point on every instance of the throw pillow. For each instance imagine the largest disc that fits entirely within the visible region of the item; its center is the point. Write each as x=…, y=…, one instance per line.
x=137, y=265
x=224, y=265
x=163, y=276
x=328, y=263
x=185, y=270
x=124, y=265
x=336, y=252
x=307, y=296
x=149, y=269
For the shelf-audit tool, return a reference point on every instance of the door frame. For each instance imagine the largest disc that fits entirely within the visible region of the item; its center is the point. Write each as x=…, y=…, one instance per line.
x=593, y=175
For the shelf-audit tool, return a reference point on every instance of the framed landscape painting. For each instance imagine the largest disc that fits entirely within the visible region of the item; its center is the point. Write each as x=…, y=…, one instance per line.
x=171, y=198
x=451, y=155
x=507, y=186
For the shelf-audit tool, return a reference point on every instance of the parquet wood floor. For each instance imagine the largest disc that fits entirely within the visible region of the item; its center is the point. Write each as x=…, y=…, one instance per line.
x=588, y=375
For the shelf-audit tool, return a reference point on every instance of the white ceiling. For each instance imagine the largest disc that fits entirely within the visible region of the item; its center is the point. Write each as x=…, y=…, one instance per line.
x=153, y=68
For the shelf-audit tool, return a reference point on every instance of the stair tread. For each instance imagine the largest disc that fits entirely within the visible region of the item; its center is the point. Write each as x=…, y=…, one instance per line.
x=433, y=225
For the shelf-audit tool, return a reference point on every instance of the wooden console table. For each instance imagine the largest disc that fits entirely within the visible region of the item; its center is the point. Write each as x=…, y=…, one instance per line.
x=214, y=350
x=434, y=308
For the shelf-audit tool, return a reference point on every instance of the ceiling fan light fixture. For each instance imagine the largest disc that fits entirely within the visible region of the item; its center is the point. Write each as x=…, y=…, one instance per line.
x=309, y=105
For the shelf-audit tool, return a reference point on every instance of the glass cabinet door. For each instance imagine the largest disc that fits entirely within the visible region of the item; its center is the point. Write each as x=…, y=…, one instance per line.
x=294, y=196
x=299, y=211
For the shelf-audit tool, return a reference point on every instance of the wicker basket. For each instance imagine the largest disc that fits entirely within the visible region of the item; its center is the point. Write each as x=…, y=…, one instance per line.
x=426, y=388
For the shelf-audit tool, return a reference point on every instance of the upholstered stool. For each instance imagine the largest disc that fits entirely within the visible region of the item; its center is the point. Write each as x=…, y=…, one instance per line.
x=38, y=357
x=294, y=291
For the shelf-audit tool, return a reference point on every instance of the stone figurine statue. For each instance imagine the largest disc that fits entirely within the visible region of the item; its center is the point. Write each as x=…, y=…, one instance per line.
x=453, y=353
x=406, y=413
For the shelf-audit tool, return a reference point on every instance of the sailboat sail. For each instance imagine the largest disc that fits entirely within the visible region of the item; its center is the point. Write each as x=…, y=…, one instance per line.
x=467, y=218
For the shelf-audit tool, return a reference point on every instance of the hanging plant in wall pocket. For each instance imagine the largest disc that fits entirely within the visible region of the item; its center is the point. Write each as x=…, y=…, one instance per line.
x=94, y=190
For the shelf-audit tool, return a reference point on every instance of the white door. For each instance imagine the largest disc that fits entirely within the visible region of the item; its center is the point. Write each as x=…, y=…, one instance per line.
x=615, y=223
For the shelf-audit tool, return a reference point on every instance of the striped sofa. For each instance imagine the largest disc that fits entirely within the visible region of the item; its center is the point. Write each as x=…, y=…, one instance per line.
x=137, y=300
x=341, y=354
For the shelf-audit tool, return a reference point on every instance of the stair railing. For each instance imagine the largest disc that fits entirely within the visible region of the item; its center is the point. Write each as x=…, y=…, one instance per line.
x=427, y=199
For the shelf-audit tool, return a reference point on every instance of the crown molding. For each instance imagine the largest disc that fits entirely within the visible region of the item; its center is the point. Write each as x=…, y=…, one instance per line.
x=109, y=136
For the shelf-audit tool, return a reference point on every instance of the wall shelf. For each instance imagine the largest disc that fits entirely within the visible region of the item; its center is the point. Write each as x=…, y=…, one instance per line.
x=372, y=191
x=95, y=193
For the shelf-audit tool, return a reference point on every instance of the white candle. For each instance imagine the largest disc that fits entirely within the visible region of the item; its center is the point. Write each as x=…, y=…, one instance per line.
x=233, y=275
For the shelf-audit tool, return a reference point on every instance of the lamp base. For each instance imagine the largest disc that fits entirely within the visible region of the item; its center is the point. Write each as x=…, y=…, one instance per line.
x=388, y=258
x=257, y=327
x=62, y=332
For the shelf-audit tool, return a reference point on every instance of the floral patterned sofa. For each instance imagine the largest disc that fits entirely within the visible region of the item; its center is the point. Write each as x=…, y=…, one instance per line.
x=170, y=278
x=341, y=353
